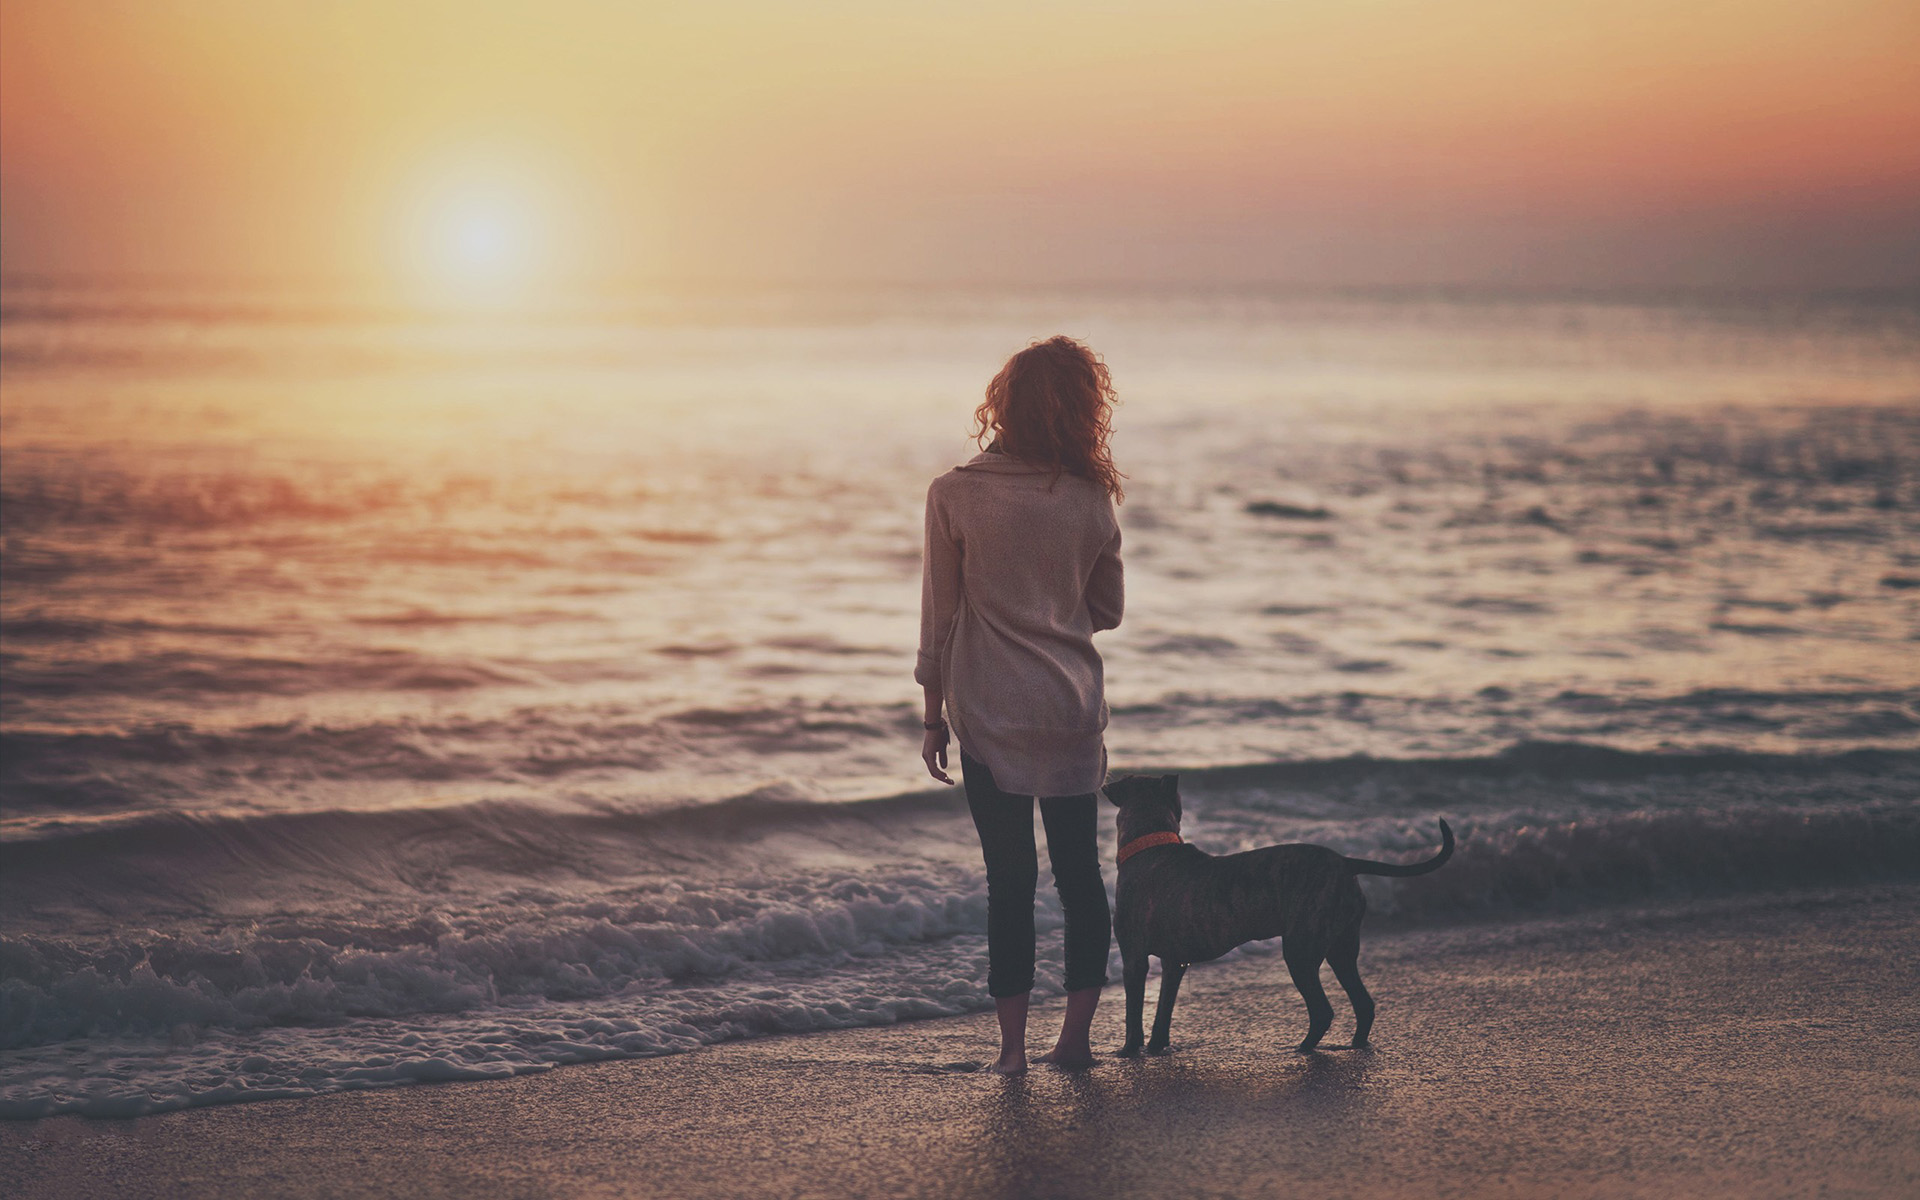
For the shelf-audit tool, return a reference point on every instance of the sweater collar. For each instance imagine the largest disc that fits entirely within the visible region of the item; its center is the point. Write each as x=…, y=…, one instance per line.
x=1003, y=464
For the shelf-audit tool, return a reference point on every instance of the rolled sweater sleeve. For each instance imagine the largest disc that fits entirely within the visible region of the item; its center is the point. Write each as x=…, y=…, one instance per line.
x=1106, y=586
x=939, y=593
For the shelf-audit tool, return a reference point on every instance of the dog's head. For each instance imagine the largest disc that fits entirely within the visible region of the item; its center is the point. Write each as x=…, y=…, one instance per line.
x=1147, y=803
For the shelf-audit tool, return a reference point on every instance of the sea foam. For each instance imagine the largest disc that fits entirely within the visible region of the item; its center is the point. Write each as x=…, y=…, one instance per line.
x=485, y=949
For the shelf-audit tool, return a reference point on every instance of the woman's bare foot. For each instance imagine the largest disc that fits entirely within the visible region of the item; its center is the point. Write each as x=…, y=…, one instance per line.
x=1012, y=1012
x=1067, y=1056
x=1074, y=1049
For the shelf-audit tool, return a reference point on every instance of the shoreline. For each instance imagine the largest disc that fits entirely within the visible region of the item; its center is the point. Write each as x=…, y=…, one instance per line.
x=1745, y=1046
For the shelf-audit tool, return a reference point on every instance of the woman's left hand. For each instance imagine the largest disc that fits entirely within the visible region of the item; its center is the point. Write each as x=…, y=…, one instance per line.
x=933, y=752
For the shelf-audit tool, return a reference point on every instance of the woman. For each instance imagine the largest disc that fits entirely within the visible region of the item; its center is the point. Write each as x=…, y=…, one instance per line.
x=1022, y=568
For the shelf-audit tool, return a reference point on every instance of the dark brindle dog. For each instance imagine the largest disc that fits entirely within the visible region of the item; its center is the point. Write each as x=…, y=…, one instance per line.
x=1183, y=905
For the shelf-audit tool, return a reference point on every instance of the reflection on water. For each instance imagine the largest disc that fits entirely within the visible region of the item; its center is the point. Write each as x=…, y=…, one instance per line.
x=265, y=554
x=1114, y=1128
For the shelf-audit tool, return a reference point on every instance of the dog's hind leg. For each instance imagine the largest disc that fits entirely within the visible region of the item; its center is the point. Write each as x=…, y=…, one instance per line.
x=1344, y=957
x=1170, y=976
x=1303, y=963
x=1134, y=973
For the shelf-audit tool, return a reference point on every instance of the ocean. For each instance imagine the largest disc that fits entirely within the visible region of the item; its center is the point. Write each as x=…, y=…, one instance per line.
x=388, y=697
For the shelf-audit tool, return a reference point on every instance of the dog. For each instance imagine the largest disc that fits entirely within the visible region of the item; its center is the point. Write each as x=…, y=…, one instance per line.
x=1183, y=905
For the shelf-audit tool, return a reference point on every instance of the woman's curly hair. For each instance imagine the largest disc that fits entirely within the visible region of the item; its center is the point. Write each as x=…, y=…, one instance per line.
x=1052, y=405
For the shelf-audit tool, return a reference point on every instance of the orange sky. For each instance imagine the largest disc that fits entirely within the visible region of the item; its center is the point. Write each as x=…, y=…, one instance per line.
x=1350, y=142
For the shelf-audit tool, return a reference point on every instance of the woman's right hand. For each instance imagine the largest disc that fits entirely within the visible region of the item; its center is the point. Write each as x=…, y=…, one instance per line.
x=933, y=752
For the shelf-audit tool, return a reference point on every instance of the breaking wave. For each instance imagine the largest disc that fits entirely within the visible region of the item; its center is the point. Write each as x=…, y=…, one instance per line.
x=481, y=940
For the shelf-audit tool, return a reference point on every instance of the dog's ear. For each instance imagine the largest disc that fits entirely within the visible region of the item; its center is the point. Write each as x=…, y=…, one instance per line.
x=1113, y=785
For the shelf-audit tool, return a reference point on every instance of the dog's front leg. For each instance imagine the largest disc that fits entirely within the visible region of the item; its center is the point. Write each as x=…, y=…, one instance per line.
x=1170, y=975
x=1134, y=972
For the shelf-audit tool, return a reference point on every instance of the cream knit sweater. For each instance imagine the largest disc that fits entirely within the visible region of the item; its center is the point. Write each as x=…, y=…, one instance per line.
x=1022, y=567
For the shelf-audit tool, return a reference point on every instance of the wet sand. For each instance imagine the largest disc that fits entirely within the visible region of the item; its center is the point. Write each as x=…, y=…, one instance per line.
x=1744, y=1047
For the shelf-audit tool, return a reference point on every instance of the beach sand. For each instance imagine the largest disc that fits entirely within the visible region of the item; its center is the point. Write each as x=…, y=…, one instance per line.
x=1741, y=1047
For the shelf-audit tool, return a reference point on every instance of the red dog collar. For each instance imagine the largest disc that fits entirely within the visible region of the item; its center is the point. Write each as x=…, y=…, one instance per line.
x=1166, y=837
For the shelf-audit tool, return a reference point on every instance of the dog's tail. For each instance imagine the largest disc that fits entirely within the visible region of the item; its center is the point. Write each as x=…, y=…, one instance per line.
x=1362, y=866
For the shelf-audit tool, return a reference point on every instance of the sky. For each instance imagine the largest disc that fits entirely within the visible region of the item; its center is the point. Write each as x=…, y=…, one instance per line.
x=1525, y=143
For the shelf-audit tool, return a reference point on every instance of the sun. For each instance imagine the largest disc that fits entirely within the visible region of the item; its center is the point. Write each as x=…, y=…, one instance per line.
x=483, y=240
x=469, y=237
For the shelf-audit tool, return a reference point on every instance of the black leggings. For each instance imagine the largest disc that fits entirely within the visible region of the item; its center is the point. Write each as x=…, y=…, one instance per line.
x=1005, y=823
